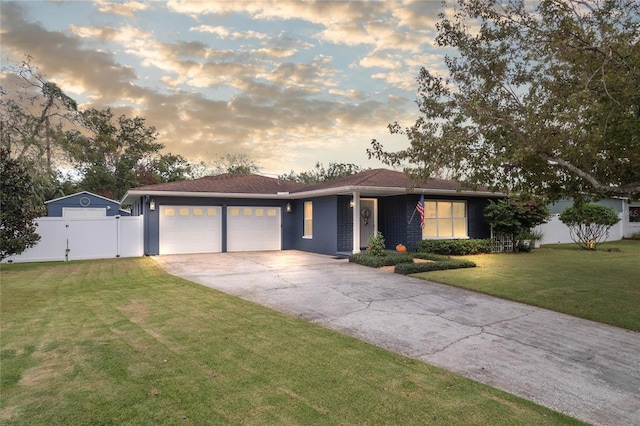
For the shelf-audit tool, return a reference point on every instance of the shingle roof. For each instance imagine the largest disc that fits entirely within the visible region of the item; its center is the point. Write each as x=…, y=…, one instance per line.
x=378, y=180
x=384, y=178
x=227, y=183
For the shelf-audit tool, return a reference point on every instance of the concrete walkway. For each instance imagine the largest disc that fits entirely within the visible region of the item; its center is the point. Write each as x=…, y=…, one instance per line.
x=584, y=369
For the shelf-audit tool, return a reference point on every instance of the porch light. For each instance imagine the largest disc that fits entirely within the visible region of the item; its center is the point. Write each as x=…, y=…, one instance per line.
x=351, y=203
x=152, y=205
x=288, y=207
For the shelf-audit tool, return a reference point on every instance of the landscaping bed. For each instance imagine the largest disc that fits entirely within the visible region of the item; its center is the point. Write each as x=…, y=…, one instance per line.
x=405, y=263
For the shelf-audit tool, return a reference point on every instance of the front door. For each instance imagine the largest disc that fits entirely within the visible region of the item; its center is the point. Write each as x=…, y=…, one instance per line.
x=368, y=220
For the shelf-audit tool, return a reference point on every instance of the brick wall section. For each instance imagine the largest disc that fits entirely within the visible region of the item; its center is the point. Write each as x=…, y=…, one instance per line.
x=477, y=225
x=391, y=214
x=414, y=231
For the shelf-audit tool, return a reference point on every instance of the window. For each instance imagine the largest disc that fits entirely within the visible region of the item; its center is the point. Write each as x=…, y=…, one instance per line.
x=445, y=219
x=634, y=214
x=308, y=219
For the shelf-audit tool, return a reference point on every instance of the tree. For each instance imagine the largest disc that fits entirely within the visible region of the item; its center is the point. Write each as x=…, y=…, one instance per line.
x=33, y=114
x=589, y=223
x=320, y=174
x=236, y=164
x=108, y=156
x=515, y=217
x=162, y=169
x=17, y=226
x=545, y=101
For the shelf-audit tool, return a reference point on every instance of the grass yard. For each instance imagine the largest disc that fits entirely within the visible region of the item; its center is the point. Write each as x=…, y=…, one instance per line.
x=601, y=286
x=121, y=342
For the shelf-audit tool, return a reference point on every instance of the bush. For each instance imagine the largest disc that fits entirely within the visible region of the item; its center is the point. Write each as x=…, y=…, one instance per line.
x=388, y=258
x=431, y=256
x=515, y=217
x=589, y=223
x=455, y=247
x=376, y=245
x=414, y=268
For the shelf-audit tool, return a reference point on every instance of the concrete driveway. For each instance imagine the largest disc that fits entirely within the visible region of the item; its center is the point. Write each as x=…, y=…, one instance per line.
x=585, y=369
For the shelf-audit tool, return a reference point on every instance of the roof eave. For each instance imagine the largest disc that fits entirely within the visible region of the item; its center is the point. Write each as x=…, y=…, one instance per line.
x=132, y=194
x=383, y=190
x=343, y=190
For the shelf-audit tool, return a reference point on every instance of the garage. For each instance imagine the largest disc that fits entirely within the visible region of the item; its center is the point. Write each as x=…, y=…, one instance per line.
x=253, y=228
x=190, y=229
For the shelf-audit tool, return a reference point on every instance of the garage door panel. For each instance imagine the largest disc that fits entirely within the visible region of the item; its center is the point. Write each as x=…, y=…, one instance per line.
x=190, y=229
x=253, y=228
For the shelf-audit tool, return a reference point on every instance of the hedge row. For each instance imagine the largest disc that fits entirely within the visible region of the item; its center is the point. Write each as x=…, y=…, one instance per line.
x=414, y=268
x=404, y=264
x=455, y=247
x=390, y=258
x=431, y=256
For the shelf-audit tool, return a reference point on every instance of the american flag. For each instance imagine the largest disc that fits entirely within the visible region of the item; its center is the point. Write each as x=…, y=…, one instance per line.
x=420, y=208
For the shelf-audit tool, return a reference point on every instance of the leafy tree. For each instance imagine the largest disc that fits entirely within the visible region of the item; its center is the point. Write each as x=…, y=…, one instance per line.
x=33, y=114
x=165, y=168
x=17, y=227
x=589, y=223
x=515, y=217
x=234, y=163
x=108, y=156
x=320, y=174
x=543, y=99
x=230, y=163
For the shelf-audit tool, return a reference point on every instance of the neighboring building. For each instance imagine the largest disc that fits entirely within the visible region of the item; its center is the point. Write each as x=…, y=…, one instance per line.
x=84, y=205
x=234, y=212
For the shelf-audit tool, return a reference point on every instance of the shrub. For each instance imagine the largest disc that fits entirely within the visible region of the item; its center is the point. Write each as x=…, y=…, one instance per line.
x=414, y=268
x=376, y=245
x=388, y=258
x=635, y=236
x=515, y=217
x=455, y=247
x=589, y=223
x=431, y=256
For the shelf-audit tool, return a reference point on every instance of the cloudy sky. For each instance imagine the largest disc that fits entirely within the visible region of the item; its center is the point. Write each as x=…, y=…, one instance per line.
x=286, y=83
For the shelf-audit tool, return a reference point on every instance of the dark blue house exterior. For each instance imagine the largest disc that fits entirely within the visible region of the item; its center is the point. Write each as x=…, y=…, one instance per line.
x=84, y=204
x=250, y=212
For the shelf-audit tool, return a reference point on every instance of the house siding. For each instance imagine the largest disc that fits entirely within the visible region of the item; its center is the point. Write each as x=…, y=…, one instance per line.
x=345, y=224
x=478, y=227
x=392, y=213
x=325, y=226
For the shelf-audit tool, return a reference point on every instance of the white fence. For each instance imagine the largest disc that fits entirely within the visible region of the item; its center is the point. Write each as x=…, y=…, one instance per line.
x=64, y=239
x=556, y=232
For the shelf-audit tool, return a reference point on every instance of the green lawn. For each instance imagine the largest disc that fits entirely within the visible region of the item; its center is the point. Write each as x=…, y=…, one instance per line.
x=602, y=286
x=121, y=342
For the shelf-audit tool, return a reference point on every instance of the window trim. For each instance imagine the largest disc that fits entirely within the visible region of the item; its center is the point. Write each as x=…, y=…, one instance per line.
x=449, y=219
x=306, y=220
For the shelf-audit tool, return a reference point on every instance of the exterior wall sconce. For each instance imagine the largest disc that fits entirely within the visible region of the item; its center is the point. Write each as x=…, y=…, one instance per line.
x=152, y=205
x=351, y=203
x=288, y=207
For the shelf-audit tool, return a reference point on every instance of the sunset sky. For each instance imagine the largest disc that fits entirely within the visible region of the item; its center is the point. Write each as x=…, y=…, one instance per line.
x=286, y=83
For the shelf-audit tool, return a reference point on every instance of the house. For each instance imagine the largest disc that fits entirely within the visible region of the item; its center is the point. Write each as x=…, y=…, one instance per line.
x=84, y=205
x=232, y=212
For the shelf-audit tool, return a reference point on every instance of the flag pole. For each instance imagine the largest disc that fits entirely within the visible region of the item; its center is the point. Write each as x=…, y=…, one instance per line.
x=413, y=214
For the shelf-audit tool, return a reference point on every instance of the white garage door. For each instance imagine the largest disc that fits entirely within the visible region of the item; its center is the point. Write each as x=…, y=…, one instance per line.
x=190, y=229
x=84, y=212
x=253, y=228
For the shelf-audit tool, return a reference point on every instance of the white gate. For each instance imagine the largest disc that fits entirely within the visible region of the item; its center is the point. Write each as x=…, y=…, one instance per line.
x=64, y=239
